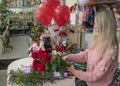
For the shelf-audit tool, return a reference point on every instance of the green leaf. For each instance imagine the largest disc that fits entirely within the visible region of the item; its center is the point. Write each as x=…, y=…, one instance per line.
x=62, y=71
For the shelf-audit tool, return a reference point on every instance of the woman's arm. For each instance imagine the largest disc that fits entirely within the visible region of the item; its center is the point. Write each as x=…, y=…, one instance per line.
x=100, y=69
x=79, y=57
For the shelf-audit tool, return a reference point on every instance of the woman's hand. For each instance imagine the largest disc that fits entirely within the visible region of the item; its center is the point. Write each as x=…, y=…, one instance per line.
x=71, y=69
x=65, y=58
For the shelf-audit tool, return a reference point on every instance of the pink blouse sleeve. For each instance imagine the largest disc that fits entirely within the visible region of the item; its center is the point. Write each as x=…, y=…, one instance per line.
x=79, y=57
x=99, y=70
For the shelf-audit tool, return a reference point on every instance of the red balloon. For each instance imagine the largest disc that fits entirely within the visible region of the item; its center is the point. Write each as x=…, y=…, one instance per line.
x=43, y=15
x=48, y=0
x=44, y=1
x=52, y=4
x=61, y=15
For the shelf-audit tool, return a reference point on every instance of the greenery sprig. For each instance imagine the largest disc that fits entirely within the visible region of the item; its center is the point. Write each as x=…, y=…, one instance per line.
x=31, y=79
x=58, y=64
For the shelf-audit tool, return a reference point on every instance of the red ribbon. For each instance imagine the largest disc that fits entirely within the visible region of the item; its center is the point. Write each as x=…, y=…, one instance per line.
x=72, y=31
x=60, y=49
x=56, y=30
x=38, y=39
x=48, y=49
x=62, y=33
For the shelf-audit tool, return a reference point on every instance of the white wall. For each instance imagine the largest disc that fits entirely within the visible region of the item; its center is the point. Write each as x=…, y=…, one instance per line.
x=70, y=2
x=88, y=39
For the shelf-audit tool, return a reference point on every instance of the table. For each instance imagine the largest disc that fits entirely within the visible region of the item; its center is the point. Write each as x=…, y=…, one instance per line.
x=27, y=62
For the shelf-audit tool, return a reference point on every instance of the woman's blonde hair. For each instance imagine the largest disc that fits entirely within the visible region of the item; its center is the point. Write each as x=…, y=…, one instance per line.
x=106, y=23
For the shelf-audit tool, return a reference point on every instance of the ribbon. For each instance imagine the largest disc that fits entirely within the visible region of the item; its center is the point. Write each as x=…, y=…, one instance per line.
x=60, y=49
x=62, y=33
x=72, y=31
x=38, y=39
x=56, y=30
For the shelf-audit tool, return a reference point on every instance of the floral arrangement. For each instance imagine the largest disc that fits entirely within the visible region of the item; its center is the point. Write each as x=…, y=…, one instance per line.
x=42, y=70
x=36, y=32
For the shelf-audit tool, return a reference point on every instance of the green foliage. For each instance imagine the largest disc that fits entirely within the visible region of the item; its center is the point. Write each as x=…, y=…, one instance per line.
x=116, y=78
x=31, y=79
x=4, y=23
x=37, y=31
x=3, y=17
x=1, y=30
x=58, y=65
x=34, y=78
x=2, y=5
x=6, y=42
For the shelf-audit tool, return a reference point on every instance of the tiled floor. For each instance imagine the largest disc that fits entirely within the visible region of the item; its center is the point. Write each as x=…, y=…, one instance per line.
x=20, y=45
x=3, y=77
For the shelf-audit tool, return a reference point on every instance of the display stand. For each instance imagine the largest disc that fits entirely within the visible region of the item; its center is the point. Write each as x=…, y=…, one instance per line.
x=21, y=16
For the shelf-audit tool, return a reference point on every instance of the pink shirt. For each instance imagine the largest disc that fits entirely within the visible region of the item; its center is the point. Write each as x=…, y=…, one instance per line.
x=99, y=72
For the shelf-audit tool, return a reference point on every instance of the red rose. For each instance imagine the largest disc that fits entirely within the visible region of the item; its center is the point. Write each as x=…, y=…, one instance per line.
x=61, y=49
x=34, y=64
x=34, y=55
x=38, y=39
x=46, y=57
x=40, y=52
x=40, y=68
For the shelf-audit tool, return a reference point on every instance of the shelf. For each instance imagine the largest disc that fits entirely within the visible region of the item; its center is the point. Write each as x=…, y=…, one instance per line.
x=22, y=3
x=19, y=17
x=18, y=31
x=9, y=8
x=108, y=2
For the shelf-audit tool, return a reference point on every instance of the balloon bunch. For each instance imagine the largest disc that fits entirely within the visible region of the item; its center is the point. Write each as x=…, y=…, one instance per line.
x=51, y=9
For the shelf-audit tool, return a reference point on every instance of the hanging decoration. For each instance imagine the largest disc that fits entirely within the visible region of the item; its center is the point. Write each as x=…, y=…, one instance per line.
x=86, y=18
x=43, y=15
x=61, y=15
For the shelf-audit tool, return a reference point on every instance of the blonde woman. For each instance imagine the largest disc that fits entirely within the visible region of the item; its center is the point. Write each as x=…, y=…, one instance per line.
x=102, y=56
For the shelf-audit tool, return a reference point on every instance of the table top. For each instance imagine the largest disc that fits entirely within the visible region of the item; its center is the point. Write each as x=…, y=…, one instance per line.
x=27, y=62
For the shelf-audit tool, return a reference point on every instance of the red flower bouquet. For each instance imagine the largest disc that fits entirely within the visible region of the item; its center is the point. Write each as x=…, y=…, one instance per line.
x=41, y=59
x=43, y=69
